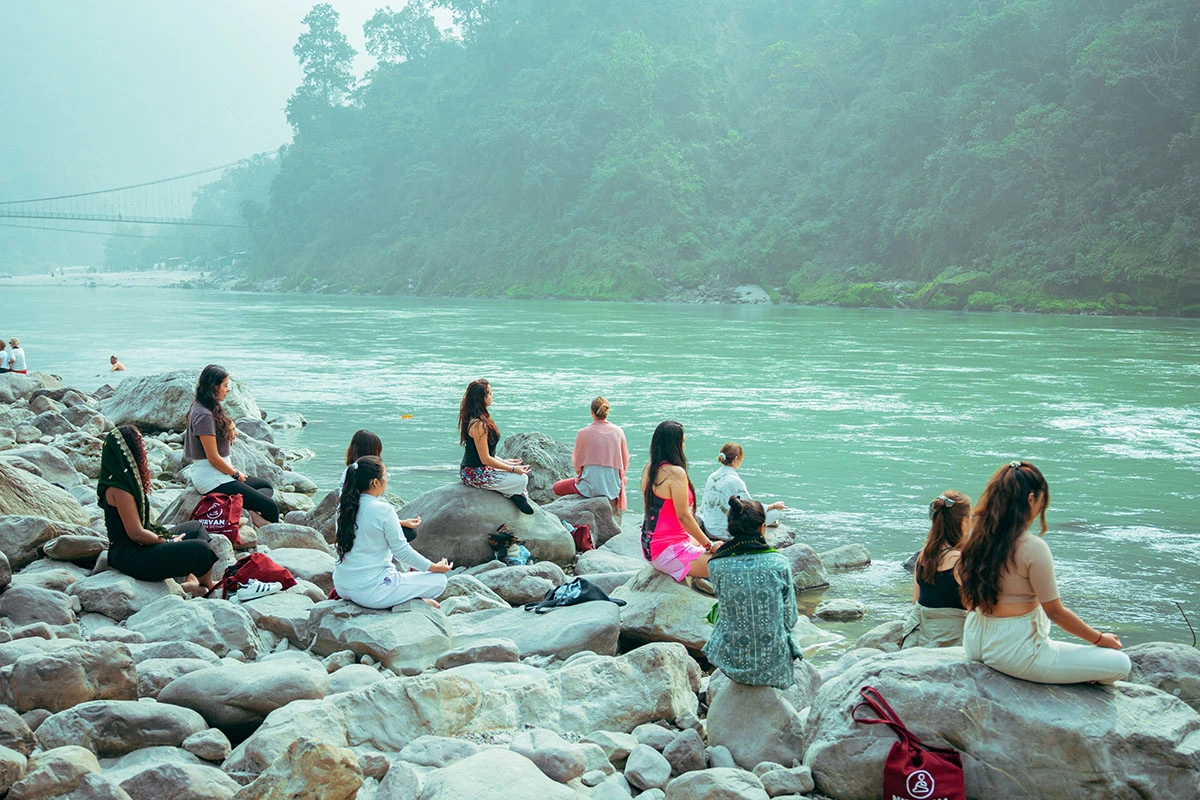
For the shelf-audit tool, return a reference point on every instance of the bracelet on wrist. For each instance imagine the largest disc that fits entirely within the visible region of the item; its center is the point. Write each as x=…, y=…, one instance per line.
x=1098, y=638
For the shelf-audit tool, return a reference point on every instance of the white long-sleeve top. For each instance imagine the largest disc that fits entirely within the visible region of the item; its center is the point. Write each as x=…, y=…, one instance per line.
x=378, y=539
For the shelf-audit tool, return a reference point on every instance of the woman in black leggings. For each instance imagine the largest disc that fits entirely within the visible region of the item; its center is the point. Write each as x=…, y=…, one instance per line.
x=206, y=443
x=138, y=546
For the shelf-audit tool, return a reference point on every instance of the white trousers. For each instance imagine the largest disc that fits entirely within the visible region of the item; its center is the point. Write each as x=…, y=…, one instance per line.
x=1022, y=647
x=397, y=587
x=502, y=481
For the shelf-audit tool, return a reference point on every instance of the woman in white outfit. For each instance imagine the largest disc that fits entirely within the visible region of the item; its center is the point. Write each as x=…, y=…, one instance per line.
x=1008, y=583
x=724, y=483
x=369, y=536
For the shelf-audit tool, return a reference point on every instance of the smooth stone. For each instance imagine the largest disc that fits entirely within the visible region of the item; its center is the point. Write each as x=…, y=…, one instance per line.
x=562, y=632
x=23, y=535
x=558, y=759
x=885, y=637
x=112, y=728
x=601, y=561
x=118, y=596
x=219, y=625
x=209, y=745
x=616, y=745
x=240, y=696
x=314, y=566
x=304, y=766
x=654, y=735
x=686, y=753
x=286, y=615
x=282, y=534
x=549, y=461
x=807, y=570
x=15, y=733
x=496, y=650
x=23, y=605
x=476, y=778
x=437, y=751
x=647, y=769
x=717, y=784
x=12, y=767
x=181, y=782
x=785, y=781
x=840, y=610
x=54, y=772
x=353, y=677
x=79, y=672
x=848, y=556
x=406, y=639
x=1170, y=666
x=595, y=512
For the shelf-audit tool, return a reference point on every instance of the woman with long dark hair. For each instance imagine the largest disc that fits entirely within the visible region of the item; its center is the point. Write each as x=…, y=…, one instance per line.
x=478, y=435
x=752, y=639
x=672, y=540
x=600, y=458
x=369, y=537
x=1008, y=583
x=936, y=618
x=207, y=442
x=138, y=546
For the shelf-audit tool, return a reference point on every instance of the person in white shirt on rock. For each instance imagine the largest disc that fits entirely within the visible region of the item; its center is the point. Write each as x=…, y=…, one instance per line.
x=724, y=483
x=16, y=356
x=369, y=537
x=4, y=357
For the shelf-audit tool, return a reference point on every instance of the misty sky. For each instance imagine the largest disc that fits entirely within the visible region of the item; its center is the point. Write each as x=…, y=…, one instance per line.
x=100, y=94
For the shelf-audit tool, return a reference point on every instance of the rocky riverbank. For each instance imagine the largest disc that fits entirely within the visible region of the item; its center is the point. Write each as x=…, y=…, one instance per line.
x=116, y=688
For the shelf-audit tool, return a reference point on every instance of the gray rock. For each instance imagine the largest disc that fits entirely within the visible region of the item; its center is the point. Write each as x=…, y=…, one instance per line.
x=848, y=556
x=608, y=582
x=885, y=637
x=756, y=724
x=717, y=784
x=785, y=781
x=807, y=570
x=5, y=572
x=124, y=767
x=595, y=512
x=52, y=423
x=562, y=632
x=21, y=537
x=50, y=574
x=1172, y=667
x=23, y=605
x=282, y=534
x=686, y=753
x=456, y=519
x=172, y=649
x=646, y=768
x=12, y=767
x=495, y=650
x=840, y=610
x=407, y=639
x=14, y=732
x=154, y=674
x=181, y=782
x=287, y=615
x=518, y=585
x=180, y=509
x=160, y=402
x=218, y=625
x=601, y=560
x=550, y=461
x=54, y=772
x=304, y=563
x=235, y=696
x=614, y=788
x=596, y=760
x=558, y=759
x=437, y=751
x=616, y=745
x=661, y=610
x=1153, y=736
x=111, y=728
x=256, y=428
x=719, y=756
x=654, y=735
x=352, y=677
x=320, y=517
x=400, y=783
x=118, y=596
x=476, y=778
x=77, y=672
x=75, y=546
x=50, y=463
x=847, y=660
x=290, y=420
x=307, y=765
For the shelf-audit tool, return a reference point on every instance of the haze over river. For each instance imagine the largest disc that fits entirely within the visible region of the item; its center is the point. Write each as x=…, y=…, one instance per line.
x=855, y=418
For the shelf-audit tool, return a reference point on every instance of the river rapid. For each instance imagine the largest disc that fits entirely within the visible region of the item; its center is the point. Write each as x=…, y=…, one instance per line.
x=855, y=418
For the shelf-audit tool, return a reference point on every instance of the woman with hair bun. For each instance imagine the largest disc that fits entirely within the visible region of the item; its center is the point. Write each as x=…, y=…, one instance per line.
x=1009, y=587
x=724, y=483
x=752, y=639
x=369, y=536
x=936, y=618
x=672, y=540
x=207, y=441
x=600, y=458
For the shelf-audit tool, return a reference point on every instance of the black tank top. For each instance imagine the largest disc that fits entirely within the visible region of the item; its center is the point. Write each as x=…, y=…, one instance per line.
x=942, y=593
x=471, y=453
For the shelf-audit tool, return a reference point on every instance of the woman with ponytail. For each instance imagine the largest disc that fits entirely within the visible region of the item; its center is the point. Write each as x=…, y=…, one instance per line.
x=478, y=435
x=1008, y=584
x=937, y=615
x=752, y=639
x=368, y=538
x=672, y=540
x=600, y=458
x=722, y=484
x=207, y=441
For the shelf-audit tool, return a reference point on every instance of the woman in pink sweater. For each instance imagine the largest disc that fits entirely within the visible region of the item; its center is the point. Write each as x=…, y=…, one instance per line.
x=601, y=459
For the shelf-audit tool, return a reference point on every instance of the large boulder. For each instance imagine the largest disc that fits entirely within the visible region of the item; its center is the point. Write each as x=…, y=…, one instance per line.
x=286, y=615
x=308, y=769
x=15, y=386
x=218, y=625
x=153, y=674
x=83, y=451
x=595, y=512
x=602, y=693
x=406, y=639
x=314, y=566
x=66, y=676
x=118, y=596
x=1170, y=666
x=160, y=402
x=549, y=460
x=111, y=728
x=321, y=516
x=283, y=534
x=456, y=521
x=238, y=697
x=561, y=632
x=760, y=723
x=1018, y=739
x=807, y=570
x=25, y=605
x=22, y=492
x=57, y=772
x=22, y=538
x=49, y=463
x=180, y=782
x=476, y=777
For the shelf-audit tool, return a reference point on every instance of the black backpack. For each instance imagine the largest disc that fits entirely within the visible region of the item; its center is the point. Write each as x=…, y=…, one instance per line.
x=573, y=592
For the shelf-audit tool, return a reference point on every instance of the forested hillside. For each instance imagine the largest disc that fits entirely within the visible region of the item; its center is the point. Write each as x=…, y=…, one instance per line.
x=935, y=153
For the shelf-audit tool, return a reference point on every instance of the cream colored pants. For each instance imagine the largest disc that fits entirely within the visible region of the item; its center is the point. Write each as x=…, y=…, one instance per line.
x=1022, y=647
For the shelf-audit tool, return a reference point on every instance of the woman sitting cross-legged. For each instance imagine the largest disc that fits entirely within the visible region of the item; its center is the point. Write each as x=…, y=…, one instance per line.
x=478, y=434
x=672, y=540
x=936, y=618
x=1008, y=583
x=752, y=640
x=600, y=458
x=722, y=484
x=369, y=536
x=139, y=547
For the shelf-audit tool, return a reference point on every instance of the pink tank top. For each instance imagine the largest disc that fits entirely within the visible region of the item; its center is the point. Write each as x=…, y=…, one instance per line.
x=667, y=530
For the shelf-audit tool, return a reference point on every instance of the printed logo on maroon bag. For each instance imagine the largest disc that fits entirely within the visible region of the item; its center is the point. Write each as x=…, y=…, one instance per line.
x=921, y=785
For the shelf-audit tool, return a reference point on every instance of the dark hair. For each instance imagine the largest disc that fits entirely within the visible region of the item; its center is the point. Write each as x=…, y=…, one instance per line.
x=600, y=408
x=1001, y=516
x=363, y=443
x=472, y=407
x=206, y=395
x=358, y=478
x=666, y=447
x=137, y=448
x=945, y=532
x=746, y=517
x=730, y=452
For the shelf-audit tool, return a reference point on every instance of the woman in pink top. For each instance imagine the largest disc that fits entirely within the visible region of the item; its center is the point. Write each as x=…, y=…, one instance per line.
x=601, y=459
x=672, y=540
x=1008, y=583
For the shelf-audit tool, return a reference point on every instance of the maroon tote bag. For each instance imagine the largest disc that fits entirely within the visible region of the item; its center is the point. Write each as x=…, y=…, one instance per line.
x=913, y=770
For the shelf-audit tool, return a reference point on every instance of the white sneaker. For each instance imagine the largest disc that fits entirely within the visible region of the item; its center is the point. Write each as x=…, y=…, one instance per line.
x=256, y=588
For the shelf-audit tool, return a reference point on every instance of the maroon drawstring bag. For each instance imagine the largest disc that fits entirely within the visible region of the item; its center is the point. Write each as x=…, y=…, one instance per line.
x=220, y=513
x=913, y=770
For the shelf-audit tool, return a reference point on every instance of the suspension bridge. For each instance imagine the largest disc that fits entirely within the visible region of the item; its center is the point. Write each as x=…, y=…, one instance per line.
x=165, y=201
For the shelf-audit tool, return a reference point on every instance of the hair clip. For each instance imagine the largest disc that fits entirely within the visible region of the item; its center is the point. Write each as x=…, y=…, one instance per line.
x=1015, y=464
x=941, y=502
x=354, y=465
x=946, y=501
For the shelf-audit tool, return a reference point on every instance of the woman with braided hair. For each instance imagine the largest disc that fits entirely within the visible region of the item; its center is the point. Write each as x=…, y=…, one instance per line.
x=1009, y=587
x=936, y=618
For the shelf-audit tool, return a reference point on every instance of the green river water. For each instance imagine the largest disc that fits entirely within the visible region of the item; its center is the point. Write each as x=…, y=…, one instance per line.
x=855, y=418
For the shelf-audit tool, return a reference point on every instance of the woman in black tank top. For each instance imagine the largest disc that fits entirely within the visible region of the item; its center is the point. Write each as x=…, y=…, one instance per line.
x=937, y=617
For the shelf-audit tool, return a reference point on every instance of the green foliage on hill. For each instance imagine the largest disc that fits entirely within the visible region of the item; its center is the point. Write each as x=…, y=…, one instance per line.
x=982, y=154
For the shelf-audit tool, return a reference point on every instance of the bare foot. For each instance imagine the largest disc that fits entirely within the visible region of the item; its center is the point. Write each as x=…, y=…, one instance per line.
x=193, y=587
x=432, y=602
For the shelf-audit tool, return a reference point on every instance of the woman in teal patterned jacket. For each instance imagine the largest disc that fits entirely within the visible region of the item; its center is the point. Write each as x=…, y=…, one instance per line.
x=752, y=641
